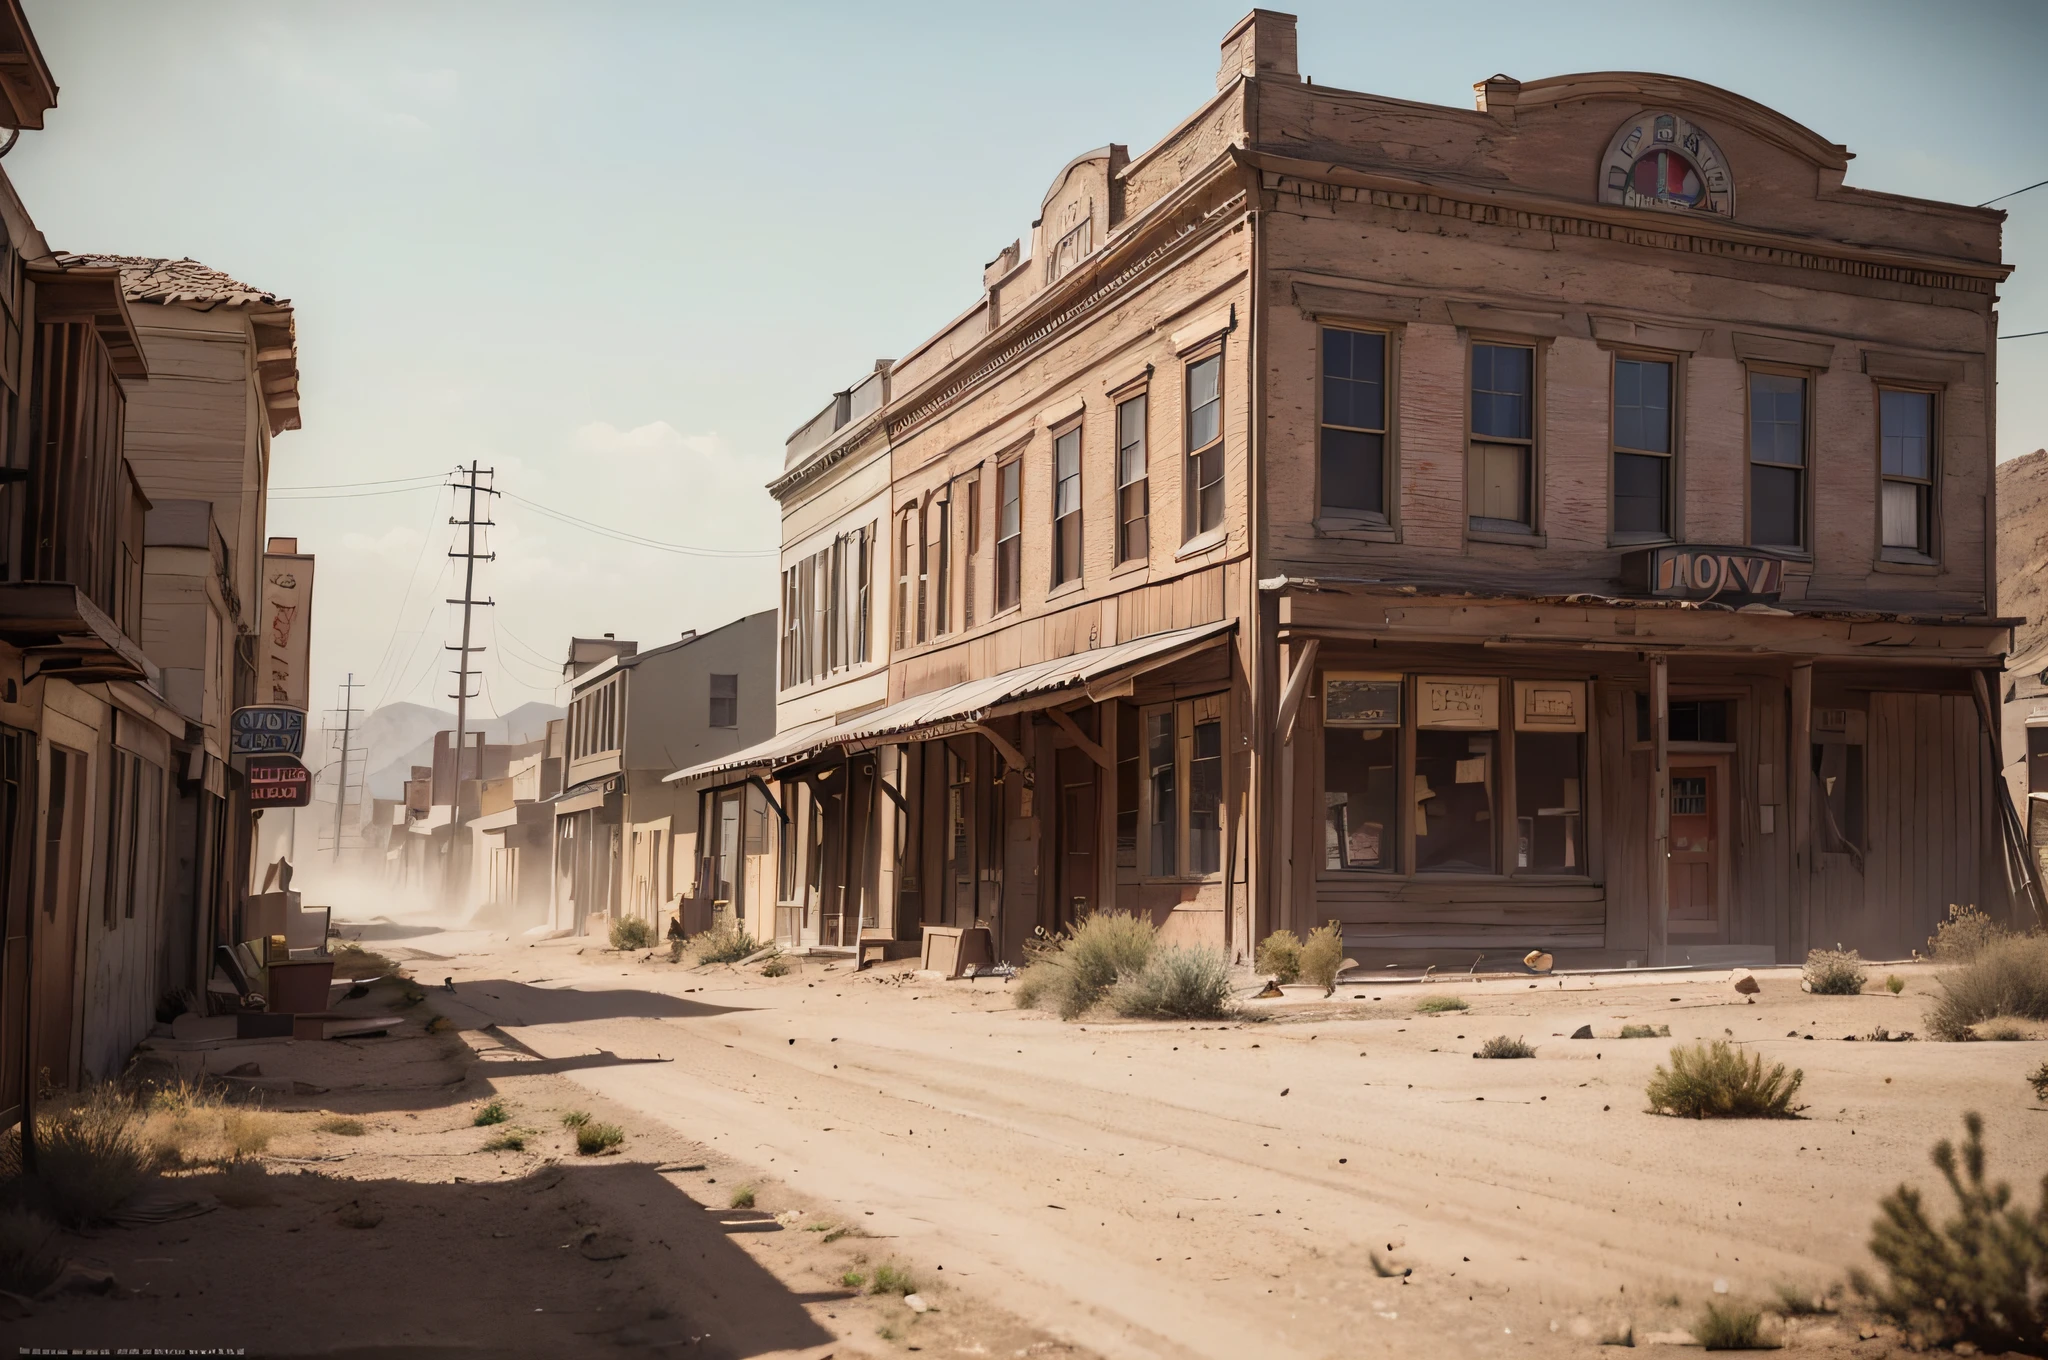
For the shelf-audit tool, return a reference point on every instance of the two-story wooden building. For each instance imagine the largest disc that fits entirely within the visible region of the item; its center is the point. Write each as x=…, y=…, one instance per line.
x=1563, y=523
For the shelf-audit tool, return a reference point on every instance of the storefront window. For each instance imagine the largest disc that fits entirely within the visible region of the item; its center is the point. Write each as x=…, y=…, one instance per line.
x=1361, y=771
x=1550, y=823
x=1205, y=795
x=1165, y=810
x=1454, y=798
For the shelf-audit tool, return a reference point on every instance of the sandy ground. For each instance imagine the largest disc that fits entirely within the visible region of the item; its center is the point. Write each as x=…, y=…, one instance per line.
x=1146, y=1190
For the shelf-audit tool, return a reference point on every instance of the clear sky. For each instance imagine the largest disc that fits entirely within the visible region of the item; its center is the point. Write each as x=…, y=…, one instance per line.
x=618, y=252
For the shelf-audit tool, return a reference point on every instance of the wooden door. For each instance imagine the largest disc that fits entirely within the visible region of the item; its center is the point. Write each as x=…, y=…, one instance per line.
x=1698, y=821
x=56, y=926
x=1080, y=835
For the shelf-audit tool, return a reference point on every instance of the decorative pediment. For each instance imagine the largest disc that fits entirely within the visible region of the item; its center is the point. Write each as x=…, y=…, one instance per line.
x=1665, y=161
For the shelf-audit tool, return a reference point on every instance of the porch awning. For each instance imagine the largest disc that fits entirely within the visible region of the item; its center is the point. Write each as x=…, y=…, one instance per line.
x=61, y=632
x=1100, y=672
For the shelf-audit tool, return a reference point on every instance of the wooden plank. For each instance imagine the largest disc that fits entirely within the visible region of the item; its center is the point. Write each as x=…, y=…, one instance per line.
x=1660, y=807
x=1800, y=778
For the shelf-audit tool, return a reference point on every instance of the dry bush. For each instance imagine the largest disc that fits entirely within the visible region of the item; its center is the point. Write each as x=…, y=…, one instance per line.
x=1437, y=1005
x=347, y=1128
x=29, y=1263
x=1982, y=1277
x=247, y=1133
x=1646, y=1031
x=89, y=1158
x=593, y=1138
x=743, y=1197
x=492, y=1111
x=191, y=1124
x=1033, y=986
x=2038, y=1079
x=2003, y=1030
x=630, y=933
x=1501, y=1046
x=777, y=965
x=1894, y=984
x=575, y=1119
x=351, y=960
x=892, y=1279
x=1279, y=956
x=507, y=1140
x=1834, y=972
x=1733, y=1327
x=1966, y=931
x=1322, y=957
x=1073, y=971
x=1176, y=983
x=723, y=944
x=2007, y=976
x=1717, y=1082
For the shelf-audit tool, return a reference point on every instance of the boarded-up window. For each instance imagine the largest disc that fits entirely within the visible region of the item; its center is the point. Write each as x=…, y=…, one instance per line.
x=725, y=701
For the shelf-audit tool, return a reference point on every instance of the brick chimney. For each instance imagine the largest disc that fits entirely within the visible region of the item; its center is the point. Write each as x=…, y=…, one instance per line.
x=1261, y=46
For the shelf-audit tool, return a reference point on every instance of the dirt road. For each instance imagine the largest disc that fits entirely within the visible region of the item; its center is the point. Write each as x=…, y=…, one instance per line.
x=1224, y=1190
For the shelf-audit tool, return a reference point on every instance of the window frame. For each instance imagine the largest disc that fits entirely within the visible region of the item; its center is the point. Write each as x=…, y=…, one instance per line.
x=1674, y=473
x=711, y=713
x=1808, y=379
x=1074, y=520
x=1531, y=532
x=1887, y=555
x=1186, y=713
x=1140, y=396
x=906, y=521
x=941, y=509
x=971, y=557
x=1385, y=525
x=1009, y=552
x=1192, y=527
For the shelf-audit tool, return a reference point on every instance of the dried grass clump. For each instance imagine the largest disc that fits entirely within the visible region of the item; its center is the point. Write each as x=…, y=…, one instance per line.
x=575, y=1119
x=2007, y=976
x=492, y=1111
x=777, y=965
x=1982, y=1277
x=1963, y=935
x=192, y=1124
x=508, y=1140
x=1501, y=1046
x=346, y=1128
x=743, y=1198
x=1716, y=1082
x=28, y=1262
x=630, y=933
x=723, y=944
x=351, y=960
x=1646, y=1031
x=2038, y=1079
x=89, y=1158
x=593, y=1138
x=1834, y=972
x=1070, y=973
x=1279, y=956
x=246, y=1133
x=1437, y=1005
x=1322, y=957
x=1176, y=983
x=1734, y=1327
x=892, y=1279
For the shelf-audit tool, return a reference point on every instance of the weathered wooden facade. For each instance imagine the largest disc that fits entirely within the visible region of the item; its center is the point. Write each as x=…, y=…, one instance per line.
x=1562, y=524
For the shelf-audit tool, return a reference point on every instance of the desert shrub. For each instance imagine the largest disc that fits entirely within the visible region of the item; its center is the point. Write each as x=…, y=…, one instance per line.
x=1894, y=984
x=1966, y=931
x=1717, y=1082
x=593, y=1137
x=2038, y=1079
x=852, y=1279
x=1082, y=965
x=1176, y=983
x=1798, y=1301
x=1646, y=1031
x=892, y=1279
x=575, y=1119
x=1279, y=956
x=778, y=965
x=723, y=944
x=1981, y=1277
x=89, y=1158
x=351, y=960
x=1733, y=1327
x=2007, y=976
x=1437, y=1005
x=246, y=1133
x=743, y=1198
x=1501, y=1046
x=1322, y=957
x=1834, y=972
x=346, y=1128
x=2003, y=1030
x=630, y=933
x=1033, y=986
x=507, y=1140
x=492, y=1111
x=28, y=1262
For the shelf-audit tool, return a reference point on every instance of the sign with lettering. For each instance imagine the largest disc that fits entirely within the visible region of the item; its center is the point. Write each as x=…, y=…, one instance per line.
x=1687, y=571
x=1550, y=705
x=286, y=627
x=279, y=782
x=267, y=729
x=1353, y=699
x=1445, y=701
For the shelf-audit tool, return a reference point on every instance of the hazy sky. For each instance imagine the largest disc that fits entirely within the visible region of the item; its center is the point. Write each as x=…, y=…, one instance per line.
x=618, y=252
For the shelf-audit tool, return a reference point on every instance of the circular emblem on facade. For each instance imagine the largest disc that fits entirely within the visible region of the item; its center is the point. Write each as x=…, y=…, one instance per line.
x=1660, y=160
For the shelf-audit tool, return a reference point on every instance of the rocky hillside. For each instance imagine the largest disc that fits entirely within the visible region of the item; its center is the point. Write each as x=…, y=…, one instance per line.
x=2023, y=547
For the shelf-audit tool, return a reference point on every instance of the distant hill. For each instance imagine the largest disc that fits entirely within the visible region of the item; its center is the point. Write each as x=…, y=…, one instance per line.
x=2023, y=548
x=400, y=736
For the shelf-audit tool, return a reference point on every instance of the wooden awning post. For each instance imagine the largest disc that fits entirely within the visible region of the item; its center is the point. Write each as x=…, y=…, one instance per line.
x=1660, y=808
x=1799, y=775
x=1283, y=731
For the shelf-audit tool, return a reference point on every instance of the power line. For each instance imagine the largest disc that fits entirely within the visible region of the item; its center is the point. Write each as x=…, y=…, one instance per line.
x=435, y=477
x=2023, y=335
x=640, y=540
x=2014, y=194
x=357, y=495
x=391, y=641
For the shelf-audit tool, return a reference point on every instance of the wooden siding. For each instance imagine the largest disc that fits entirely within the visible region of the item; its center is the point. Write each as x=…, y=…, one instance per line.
x=1927, y=781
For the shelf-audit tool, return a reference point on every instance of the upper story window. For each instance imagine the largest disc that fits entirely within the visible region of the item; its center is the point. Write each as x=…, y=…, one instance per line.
x=924, y=517
x=1906, y=437
x=1066, y=506
x=826, y=609
x=1502, y=469
x=1133, y=489
x=725, y=701
x=1642, y=447
x=1353, y=442
x=942, y=544
x=906, y=597
x=1777, y=460
x=1203, y=494
x=1009, y=533
x=969, y=576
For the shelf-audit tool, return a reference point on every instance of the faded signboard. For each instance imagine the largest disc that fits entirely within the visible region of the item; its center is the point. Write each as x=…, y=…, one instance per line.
x=267, y=729
x=279, y=781
x=287, y=623
x=1733, y=576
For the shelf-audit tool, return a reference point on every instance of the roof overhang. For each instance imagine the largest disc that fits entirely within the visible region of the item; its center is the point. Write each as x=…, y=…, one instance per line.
x=62, y=633
x=28, y=88
x=91, y=294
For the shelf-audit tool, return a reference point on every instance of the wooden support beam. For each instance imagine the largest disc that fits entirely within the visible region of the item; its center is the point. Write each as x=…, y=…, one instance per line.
x=1799, y=779
x=1297, y=686
x=1013, y=757
x=1660, y=808
x=1283, y=728
x=1074, y=734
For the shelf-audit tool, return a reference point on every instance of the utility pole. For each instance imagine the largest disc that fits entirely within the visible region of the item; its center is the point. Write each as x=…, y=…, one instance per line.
x=470, y=557
x=348, y=698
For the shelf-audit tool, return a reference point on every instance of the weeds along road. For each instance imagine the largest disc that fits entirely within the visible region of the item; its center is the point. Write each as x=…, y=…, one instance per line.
x=1223, y=1189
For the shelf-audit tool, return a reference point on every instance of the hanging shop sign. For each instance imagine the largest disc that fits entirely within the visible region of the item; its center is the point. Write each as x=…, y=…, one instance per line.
x=267, y=729
x=1448, y=701
x=279, y=782
x=1734, y=576
x=1361, y=699
x=1550, y=705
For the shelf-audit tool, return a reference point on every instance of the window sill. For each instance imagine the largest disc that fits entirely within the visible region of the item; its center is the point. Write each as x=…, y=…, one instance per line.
x=1802, y=556
x=1201, y=543
x=1066, y=588
x=1358, y=529
x=1525, y=539
x=1630, y=542
x=1136, y=564
x=1003, y=613
x=1906, y=564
